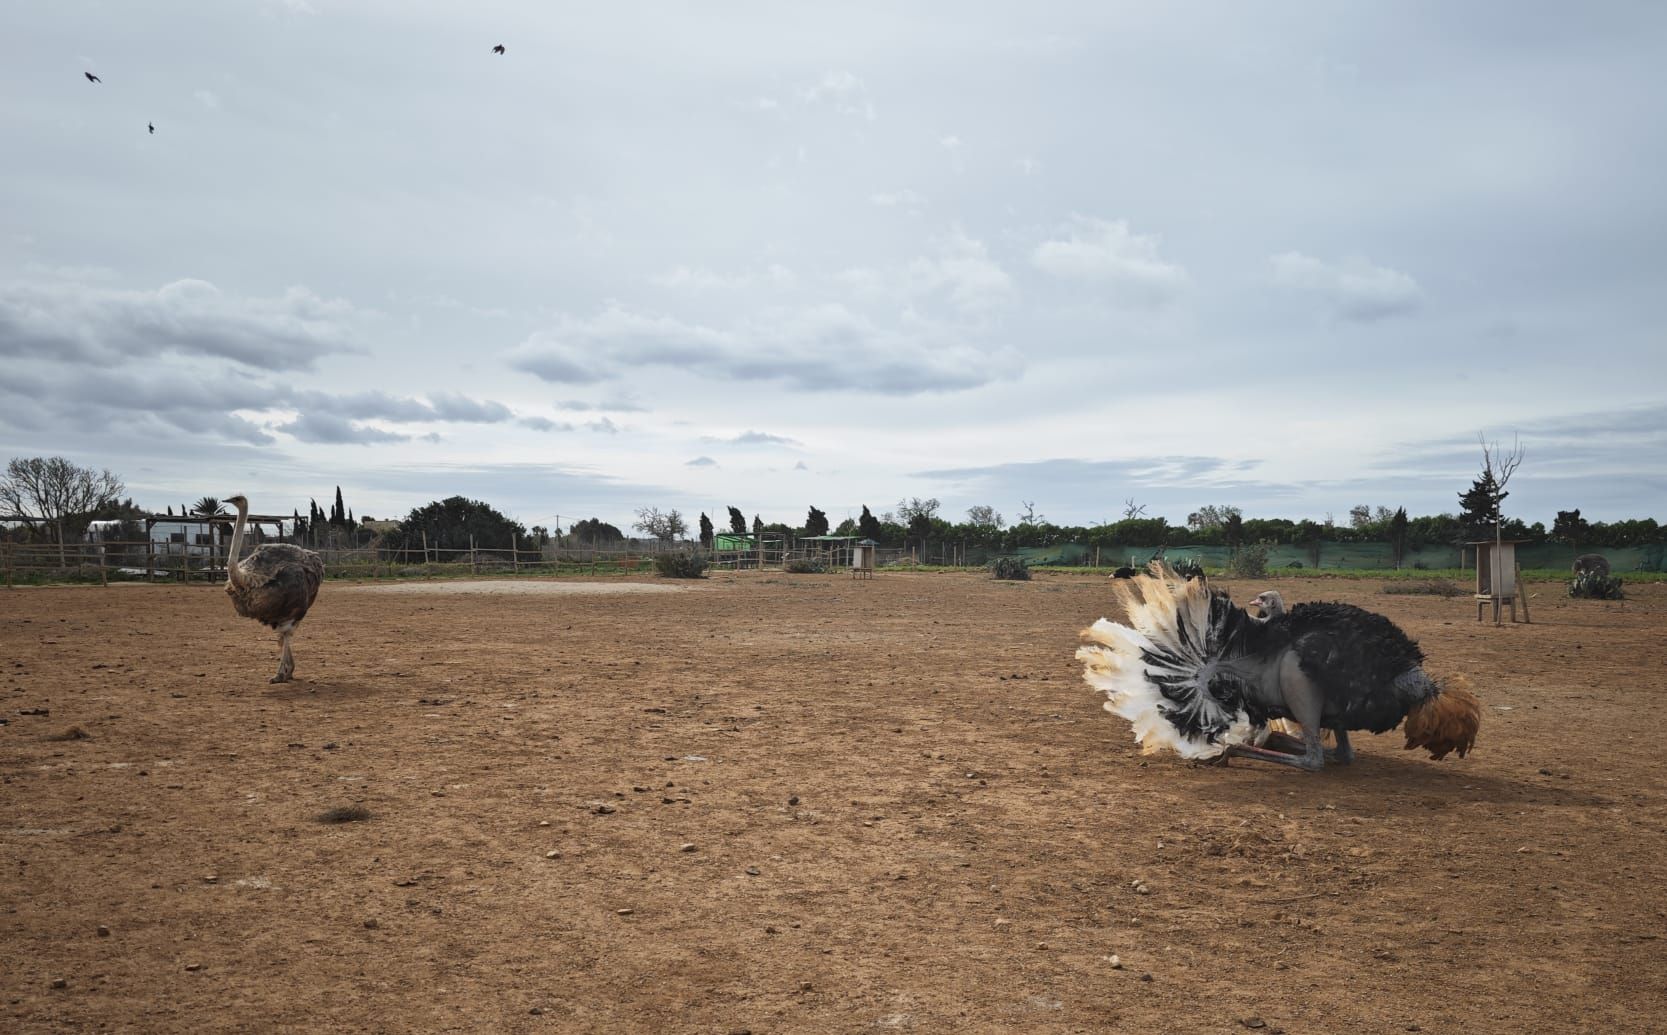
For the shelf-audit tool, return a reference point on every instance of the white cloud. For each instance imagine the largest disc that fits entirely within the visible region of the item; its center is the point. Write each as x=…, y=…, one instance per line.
x=896, y=199
x=1356, y=289
x=208, y=99
x=698, y=279
x=847, y=94
x=1107, y=252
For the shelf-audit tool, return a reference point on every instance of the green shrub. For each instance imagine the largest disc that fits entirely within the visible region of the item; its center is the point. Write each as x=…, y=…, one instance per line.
x=680, y=565
x=1591, y=585
x=1010, y=568
x=1251, y=562
x=805, y=566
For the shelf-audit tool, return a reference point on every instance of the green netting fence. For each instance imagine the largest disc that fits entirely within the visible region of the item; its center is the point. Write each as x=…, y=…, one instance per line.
x=1322, y=555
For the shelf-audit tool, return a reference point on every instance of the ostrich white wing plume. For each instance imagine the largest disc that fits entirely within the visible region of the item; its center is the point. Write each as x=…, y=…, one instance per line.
x=1168, y=670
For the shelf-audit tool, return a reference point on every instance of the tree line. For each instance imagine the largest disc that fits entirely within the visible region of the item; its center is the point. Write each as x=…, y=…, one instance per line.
x=67, y=498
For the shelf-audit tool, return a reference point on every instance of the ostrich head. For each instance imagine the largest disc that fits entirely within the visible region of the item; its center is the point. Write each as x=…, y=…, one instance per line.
x=240, y=501
x=1269, y=603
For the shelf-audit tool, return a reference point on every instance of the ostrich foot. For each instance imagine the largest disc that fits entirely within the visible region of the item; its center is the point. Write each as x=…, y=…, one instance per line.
x=282, y=677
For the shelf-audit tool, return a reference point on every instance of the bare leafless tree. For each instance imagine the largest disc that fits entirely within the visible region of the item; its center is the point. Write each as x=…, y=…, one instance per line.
x=1497, y=467
x=664, y=527
x=57, y=490
x=1132, y=510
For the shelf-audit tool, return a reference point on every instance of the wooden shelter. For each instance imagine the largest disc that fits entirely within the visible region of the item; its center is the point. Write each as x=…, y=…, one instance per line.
x=862, y=559
x=1497, y=578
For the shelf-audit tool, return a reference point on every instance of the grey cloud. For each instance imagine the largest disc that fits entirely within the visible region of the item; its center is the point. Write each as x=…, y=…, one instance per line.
x=757, y=438
x=701, y=461
x=613, y=406
x=545, y=424
x=821, y=348
x=328, y=429
x=92, y=324
x=452, y=406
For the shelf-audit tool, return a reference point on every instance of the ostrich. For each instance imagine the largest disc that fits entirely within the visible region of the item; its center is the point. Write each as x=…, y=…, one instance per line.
x=275, y=585
x=1200, y=676
x=1591, y=563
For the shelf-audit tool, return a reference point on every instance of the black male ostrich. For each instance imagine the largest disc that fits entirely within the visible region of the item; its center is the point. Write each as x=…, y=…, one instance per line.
x=1196, y=674
x=274, y=585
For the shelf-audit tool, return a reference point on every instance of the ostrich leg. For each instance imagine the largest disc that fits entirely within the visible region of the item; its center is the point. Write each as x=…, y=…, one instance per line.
x=1344, y=754
x=1305, y=702
x=286, y=661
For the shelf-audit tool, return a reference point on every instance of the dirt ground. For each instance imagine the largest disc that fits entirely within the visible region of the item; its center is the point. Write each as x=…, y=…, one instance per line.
x=778, y=803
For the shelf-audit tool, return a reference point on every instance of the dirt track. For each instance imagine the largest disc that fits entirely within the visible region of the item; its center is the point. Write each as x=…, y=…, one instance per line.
x=906, y=812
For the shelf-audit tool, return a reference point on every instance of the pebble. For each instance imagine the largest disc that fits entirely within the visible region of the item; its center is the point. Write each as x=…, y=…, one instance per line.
x=1115, y=961
x=602, y=808
x=687, y=846
x=625, y=912
x=1145, y=977
x=805, y=986
x=103, y=932
x=535, y=1011
x=193, y=967
x=794, y=800
x=752, y=871
x=552, y=855
x=371, y=925
x=1254, y=1022
x=543, y=822
x=59, y=983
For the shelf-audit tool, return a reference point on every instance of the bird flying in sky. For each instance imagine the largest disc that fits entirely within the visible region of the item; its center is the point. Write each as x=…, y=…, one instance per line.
x=152, y=127
x=92, y=78
x=499, y=49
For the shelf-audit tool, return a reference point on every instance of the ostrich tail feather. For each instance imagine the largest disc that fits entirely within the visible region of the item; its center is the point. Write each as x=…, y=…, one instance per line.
x=1155, y=669
x=1445, y=722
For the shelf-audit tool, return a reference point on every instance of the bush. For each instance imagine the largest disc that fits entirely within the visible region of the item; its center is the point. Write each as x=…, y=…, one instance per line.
x=680, y=565
x=1294, y=564
x=1251, y=562
x=1593, y=585
x=805, y=566
x=1010, y=568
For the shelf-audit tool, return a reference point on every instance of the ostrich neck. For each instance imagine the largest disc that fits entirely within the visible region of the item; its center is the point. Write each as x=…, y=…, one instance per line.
x=233, y=575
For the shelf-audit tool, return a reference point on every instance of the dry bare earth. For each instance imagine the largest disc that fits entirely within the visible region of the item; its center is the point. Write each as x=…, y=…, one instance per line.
x=905, y=809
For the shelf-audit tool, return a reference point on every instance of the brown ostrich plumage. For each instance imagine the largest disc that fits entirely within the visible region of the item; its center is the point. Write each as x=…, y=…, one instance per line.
x=275, y=585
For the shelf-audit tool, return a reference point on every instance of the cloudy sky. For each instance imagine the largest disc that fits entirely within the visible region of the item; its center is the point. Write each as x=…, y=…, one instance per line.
x=1286, y=256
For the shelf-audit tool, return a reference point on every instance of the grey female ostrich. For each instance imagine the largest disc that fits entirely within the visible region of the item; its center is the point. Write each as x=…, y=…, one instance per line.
x=1198, y=675
x=274, y=585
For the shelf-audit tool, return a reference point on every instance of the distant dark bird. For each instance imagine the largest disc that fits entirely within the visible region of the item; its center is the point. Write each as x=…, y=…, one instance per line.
x=499, y=49
x=274, y=585
x=1197, y=675
x=152, y=127
x=92, y=78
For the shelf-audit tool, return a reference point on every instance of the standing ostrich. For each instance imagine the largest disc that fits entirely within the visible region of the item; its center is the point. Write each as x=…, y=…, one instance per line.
x=275, y=585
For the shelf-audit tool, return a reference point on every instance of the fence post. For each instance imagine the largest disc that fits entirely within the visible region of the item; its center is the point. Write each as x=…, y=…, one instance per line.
x=425, y=545
x=474, y=569
x=103, y=576
x=6, y=550
x=514, y=554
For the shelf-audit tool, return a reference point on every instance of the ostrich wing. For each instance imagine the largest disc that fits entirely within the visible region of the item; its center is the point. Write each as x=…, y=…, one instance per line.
x=280, y=583
x=1368, y=669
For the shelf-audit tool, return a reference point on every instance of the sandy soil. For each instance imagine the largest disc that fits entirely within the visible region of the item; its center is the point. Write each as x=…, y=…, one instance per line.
x=536, y=587
x=797, y=803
